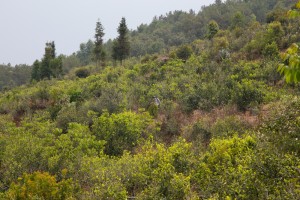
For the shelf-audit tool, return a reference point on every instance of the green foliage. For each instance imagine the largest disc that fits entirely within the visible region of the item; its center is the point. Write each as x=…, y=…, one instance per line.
x=247, y=93
x=224, y=170
x=213, y=29
x=99, y=53
x=238, y=20
x=69, y=149
x=202, y=132
x=56, y=67
x=179, y=28
x=50, y=65
x=271, y=50
x=70, y=113
x=291, y=58
x=153, y=110
x=69, y=62
x=22, y=151
x=274, y=32
x=90, y=131
x=121, y=45
x=121, y=131
x=295, y=12
x=291, y=64
x=228, y=127
x=82, y=72
x=184, y=52
x=85, y=53
x=282, y=126
x=40, y=185
x=12, y=76
x=35, y=73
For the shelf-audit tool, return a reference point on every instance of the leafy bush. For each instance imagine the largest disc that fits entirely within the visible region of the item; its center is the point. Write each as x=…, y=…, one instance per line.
x=283, y=125
x=40, y=185
x=184, y=52
x=228, y=127
x=82, y=72
x=271, y=50
x=120, y=131
x=246, y=93
x=225, y=169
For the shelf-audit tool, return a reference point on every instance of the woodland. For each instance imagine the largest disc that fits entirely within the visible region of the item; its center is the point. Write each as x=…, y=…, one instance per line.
x=191, y=106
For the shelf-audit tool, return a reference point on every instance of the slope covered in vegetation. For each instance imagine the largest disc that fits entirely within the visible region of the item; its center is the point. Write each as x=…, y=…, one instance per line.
x=227, y=125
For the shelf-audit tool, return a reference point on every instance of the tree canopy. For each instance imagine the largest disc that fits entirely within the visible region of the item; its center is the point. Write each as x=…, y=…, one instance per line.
x=121, y=46
x=99, y=52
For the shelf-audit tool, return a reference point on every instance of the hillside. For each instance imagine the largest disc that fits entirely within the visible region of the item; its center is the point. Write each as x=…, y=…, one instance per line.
x=226, y=125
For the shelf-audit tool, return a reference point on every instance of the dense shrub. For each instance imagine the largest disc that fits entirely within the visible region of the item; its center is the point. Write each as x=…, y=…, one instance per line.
x=271, y=51
x=184, y=52
x=120, y=131
x=247, y=93
x=82, y=72
x=40, y=185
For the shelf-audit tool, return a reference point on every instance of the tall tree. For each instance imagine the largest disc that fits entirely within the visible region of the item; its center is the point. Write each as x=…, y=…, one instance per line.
x=52, y=49
x=36, y=70
x=213, y=29
x=55, y=66
x=85, y=52
x=50, y=65
x=121, y=45
x=99, y=53
x=45, y=71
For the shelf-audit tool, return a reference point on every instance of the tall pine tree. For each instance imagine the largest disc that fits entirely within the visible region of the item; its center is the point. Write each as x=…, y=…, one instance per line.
x=99, y=53
x=121, y=46
x=45, y=71
x=50, y=65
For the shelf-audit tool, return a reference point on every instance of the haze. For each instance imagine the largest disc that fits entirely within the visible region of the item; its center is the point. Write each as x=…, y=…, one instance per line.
x=27, y=25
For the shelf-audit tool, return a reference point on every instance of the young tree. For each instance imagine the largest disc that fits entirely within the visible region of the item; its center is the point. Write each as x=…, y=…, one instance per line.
x=52, y=49
x=36, y=70
x=99, y=53
x=121, y=45
x=49, y=66
x=45, y=71
x=56, y=66
x=238, y=20
x=85, y=53
x=213, y=29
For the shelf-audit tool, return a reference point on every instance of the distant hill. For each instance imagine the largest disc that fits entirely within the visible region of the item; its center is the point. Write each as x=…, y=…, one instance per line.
x=178, y=27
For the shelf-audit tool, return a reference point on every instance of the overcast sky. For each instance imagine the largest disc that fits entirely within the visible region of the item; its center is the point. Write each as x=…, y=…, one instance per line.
x=26, y=25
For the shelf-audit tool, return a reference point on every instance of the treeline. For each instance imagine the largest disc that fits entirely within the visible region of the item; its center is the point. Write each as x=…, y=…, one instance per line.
x=173, y=29
x=12, y=76
x=53, y=67
x=49, y=66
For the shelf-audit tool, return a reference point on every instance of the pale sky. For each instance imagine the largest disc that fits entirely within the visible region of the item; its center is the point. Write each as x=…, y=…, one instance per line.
x=26, y=25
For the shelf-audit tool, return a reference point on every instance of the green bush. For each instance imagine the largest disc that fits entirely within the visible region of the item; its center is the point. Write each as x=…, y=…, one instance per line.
x=40, y=185
x=247, y=93
x=120, y=131
x=229, y=126
x=283, y=125
x=82, y=72
x=184, y=52
x=271, y=50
